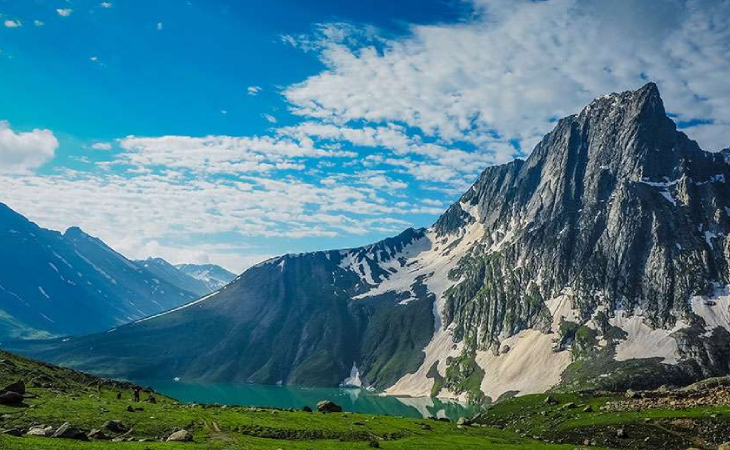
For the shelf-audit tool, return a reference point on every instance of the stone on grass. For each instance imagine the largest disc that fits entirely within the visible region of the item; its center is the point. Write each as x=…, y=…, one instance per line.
x=97, y=435
x=328, y=406
x=40, y=431
x=18, y=387
x=115, y=426
x=11, y=398
x=180, y=436
x=66, y=431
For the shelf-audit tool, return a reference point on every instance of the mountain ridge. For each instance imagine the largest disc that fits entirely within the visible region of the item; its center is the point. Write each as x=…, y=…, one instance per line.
x=600, y=260
x=212, y=276
x=54, y=283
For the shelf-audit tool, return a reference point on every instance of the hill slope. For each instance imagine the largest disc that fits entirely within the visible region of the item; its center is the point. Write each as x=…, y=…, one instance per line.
x=59, y=396
x=601, y=260
x=71, y=283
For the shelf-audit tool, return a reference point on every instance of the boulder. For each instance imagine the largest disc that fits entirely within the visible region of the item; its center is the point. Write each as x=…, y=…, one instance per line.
x=588, y=409
x=180, y=436
x=40, y=431
x=307, y=409
x=17, y=432
x=328, y=406
x=463, y=421
x=550, y=400
x=97, y=435
x=115, y=426
x=630, y=393
x=569, y=405
x=66, y=431
x=11, y=398
x=18, y=387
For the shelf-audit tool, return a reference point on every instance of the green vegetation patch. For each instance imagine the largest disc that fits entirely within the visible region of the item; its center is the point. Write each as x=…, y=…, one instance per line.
x=463, y=374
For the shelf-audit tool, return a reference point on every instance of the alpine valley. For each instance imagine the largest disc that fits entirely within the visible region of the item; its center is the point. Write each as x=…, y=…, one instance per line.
x=600, y=261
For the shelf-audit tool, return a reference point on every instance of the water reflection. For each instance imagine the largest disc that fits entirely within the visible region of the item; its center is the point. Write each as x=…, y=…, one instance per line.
x=351, y=399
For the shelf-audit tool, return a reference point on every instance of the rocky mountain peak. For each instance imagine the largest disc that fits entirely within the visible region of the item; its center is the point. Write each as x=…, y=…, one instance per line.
x=608, y=247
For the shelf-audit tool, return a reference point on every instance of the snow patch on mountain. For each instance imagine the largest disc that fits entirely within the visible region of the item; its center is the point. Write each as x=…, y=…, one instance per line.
x=714, y=310
x=187, y=305
x=434, y=263
x=354, y=379
x=529, y=367
x=644, y=341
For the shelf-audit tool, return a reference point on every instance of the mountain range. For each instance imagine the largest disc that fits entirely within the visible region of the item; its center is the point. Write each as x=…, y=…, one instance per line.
x=211, y=276
x=198, y=279
x=57, y=284
x=600, y=261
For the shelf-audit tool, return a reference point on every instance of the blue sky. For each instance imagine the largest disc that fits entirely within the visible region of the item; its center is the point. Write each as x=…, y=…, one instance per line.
x=230, y=131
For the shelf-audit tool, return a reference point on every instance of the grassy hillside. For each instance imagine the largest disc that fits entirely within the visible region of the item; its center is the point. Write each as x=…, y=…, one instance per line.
x=87, y=403
x=670, y=419
x=697, y=416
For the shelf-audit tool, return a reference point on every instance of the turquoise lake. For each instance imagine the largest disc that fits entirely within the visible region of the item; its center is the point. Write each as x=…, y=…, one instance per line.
x=351, y=400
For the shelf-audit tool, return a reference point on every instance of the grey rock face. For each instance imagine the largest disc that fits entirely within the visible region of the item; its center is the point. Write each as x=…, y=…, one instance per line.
x=614, y=203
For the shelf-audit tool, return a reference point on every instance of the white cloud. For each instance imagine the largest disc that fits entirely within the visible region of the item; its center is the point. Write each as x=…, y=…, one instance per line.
x=220, y=154
x=64, y=12
x=233, y=257
x=269, y=118
x=427, y=111
x=101, y=146
x=13, y=24
x=38, y=23
x=23, y=151
x=505, y=75
x=148, y=207
x=159, y=26
x=106, y=4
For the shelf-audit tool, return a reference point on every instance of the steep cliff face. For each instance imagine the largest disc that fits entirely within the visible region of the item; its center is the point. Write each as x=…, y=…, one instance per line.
x=614, y=204
x=616, y=213
x=601, y=260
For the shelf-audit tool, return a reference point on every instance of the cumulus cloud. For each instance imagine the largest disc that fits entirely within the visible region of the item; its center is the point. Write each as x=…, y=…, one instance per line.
x=13, y=24
x=101, y=146
x=148, y=206
x=38, y=23
x=518, y=65
x=64, y=12
x=220, y=154
x=106, y=4
x=20, y=151
x=388, y=116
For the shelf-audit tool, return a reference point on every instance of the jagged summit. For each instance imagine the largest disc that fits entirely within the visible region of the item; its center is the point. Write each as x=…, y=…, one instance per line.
x=600, y=260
